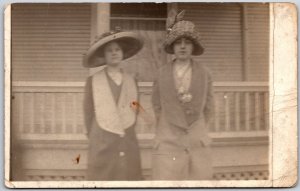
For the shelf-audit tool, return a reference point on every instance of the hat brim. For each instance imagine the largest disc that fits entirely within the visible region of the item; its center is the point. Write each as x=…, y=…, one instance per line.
x=130, y=42
x=197, y=49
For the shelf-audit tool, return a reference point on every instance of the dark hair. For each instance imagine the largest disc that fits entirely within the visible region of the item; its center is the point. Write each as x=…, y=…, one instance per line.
x=101, y=50
x=187, y=37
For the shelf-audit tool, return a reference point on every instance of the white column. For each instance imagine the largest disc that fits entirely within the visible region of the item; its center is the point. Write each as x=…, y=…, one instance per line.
x=245, y=62
x=100, y=19
x=172, y=11
x=100, y=23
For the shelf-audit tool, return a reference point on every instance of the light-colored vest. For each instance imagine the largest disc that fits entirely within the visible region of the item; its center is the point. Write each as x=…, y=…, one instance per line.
x=111, y=116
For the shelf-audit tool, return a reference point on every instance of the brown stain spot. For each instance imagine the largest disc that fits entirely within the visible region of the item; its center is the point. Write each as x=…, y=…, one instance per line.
x=135, y=105
x=77, y=159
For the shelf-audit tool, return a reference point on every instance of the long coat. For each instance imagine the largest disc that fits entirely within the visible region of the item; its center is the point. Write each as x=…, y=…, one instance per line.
x=182, y=144
x=113, y=149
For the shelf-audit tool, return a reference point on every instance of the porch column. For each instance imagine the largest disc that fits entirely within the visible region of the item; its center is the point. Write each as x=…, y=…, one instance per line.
x=100, y=23
x=172, y=9
x=244, y=16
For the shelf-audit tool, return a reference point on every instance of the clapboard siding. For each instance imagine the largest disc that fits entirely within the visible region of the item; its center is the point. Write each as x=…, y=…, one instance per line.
x=152, y=10
x=220, y=27
x=48, y=41
x=258, y=41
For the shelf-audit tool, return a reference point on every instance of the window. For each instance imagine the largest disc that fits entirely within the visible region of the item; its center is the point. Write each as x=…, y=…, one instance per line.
x=149, y=21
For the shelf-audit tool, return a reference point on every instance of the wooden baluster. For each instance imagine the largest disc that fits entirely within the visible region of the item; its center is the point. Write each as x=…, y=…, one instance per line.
x=32, y=113
x=217, y=118
x=140, y=118
x=79, y=111
x=247, y=112
x=63, y=104
x=14, y=113
x=53, y=111
x=257, y=111
x=82, y=122
x=43, y=126
x=75, y=109
x=266, y=111
x=237, y=111
x=21, y=112
x=227, y=112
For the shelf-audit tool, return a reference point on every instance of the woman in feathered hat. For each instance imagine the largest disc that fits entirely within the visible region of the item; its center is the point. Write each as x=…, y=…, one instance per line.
x=109, y=116
x=183, y=103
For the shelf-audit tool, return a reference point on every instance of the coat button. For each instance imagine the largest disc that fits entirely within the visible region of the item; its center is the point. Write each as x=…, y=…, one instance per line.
x=174, y=158
x=122, y=154
x=187, y=150
x=188, y=112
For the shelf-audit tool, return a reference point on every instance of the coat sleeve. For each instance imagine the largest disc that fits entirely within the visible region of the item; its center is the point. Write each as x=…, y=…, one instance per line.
x=88, y=104
x=210, y=103
x=156, y=99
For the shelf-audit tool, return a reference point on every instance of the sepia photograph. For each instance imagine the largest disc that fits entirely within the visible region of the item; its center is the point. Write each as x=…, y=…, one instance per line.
x=141, y=92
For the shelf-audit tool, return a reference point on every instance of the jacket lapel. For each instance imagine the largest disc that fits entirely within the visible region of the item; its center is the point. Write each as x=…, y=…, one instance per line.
x=128, y=95
x=111, y=116
x=169, y=82
x=198, y=88
x=198, y=84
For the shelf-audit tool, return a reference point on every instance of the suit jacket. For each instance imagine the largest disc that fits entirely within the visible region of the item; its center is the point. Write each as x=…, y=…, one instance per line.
x=113, y=150
x=182, y=127
x=165, y=96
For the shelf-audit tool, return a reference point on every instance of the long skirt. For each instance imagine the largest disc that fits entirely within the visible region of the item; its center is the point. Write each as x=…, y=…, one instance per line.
x=113, y=157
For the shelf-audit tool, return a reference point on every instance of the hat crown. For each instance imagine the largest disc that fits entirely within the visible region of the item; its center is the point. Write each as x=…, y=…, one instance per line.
x=184, y=26
x=106, y=34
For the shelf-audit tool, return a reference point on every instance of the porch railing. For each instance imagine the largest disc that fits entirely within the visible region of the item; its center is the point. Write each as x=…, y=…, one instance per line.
x=57, y=107
x=48, y=117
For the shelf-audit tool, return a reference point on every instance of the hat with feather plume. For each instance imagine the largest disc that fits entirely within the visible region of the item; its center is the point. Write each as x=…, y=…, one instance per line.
x=180, y=28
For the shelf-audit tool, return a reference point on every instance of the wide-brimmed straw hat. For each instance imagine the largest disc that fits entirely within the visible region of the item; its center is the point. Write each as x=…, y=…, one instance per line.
x=130, y=42
x=180, y=29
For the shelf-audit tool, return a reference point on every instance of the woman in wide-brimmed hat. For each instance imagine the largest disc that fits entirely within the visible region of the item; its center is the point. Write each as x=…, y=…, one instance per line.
x=183, y=103
x=109, y=116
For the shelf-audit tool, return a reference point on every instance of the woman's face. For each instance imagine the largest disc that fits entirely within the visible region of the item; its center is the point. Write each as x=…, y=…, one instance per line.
x=183, y=48
x=113, y=54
